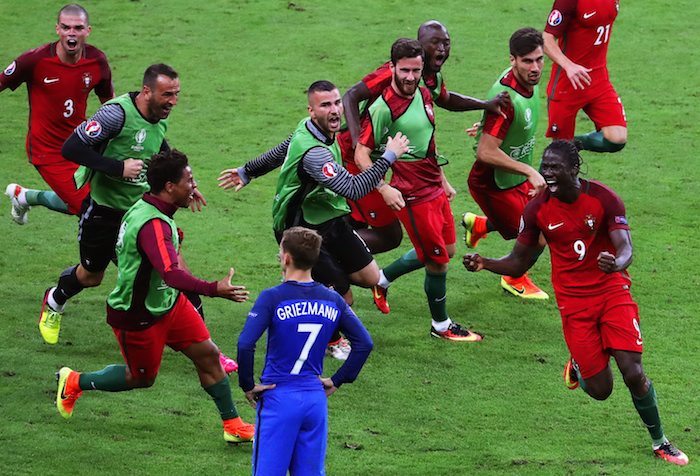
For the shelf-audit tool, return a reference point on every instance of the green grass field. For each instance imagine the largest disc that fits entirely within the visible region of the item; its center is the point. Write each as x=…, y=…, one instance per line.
x=421, y=406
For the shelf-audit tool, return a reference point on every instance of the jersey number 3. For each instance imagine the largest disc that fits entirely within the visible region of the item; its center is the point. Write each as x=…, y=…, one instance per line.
x=313, y=331
x=69, y=108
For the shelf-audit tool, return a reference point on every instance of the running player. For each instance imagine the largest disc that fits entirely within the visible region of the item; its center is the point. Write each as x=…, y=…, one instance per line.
x=147, y=309
x=114, y=148
x=417, y=193
x=59, y=77
x=576, y=39
x=585, y=226
x=502, y=179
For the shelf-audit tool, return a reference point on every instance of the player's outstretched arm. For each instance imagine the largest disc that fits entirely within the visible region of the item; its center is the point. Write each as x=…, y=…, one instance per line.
x=351, y=103
x=520, y=259
x=457, y=102
x=232, y=292
x=239, y=177
x=577, y=74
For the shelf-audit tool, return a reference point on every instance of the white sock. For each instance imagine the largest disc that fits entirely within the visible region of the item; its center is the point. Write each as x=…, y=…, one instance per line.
x=383, y=282
x=52, y=303
x=22, y=196
x=442, y=326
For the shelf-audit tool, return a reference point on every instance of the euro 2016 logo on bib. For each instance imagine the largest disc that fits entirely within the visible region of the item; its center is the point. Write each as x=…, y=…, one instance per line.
x=555, y=18
x=10, y=68
x=140, y=138
x=330, y=170
x=93, y=129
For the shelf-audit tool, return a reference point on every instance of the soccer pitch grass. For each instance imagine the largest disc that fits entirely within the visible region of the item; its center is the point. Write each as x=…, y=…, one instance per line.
x=421, y=406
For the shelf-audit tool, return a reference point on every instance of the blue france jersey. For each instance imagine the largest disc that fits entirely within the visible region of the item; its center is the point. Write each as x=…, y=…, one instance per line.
x=300, y=318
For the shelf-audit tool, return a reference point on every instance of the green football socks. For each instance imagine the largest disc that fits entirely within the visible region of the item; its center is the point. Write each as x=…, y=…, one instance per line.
x=220, y=392
x=594, y=141
x=404, y=265
x=435, y=286
x=46, y=199
x=110, y=379
x=649, y=412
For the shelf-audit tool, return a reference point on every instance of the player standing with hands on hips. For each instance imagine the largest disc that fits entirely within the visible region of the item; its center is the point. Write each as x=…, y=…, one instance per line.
x=300, y=316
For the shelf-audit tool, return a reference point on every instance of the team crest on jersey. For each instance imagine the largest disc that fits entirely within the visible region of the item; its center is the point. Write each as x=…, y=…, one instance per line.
x=555, y=18
x=330, y=169
x=87, y=80
x=10, y=68
x=590, y=222
x=436, y=251
x=93, y=129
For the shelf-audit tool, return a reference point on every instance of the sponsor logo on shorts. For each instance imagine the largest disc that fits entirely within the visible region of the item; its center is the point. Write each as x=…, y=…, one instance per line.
x=330, y=169
x=93, y=129
x=554, y=18
x=10, y=68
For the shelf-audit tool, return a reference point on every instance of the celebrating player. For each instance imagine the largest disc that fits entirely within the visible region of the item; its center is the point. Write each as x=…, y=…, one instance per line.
x=385, y=233
x=417, y=193
x=576, y=39
x=502, y=179
x=585, y=226
x=300, y=316
x=127, y=131
x=59, y=78
x=146, y=309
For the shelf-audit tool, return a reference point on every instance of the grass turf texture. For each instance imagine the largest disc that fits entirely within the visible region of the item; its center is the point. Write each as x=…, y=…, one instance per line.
x=421, y=406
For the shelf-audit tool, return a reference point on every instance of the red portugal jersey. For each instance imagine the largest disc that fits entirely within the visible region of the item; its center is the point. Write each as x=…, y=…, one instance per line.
x=576, y=233
x=58, y=94
x=380, y=79
x=583, y=29
x=415, y=174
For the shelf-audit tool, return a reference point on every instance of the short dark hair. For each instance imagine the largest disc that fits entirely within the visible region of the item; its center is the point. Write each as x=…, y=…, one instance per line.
x=152, y=72
x=166, y=166
x=73, y=9
x=565, y=149
x=405, y=48
x=303, y=245
x=524, y=41
x=320, y=85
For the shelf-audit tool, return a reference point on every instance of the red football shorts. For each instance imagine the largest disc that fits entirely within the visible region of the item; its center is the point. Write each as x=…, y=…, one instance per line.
x=181, y=327
x=59, y=176
x=608, y=322
x=370, y=209
x=601, y=104
x=503, y=208
x=431, y=227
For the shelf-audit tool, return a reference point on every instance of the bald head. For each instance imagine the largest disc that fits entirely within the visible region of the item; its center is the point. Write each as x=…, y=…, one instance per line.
x=435, y=40
x=427, y=27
